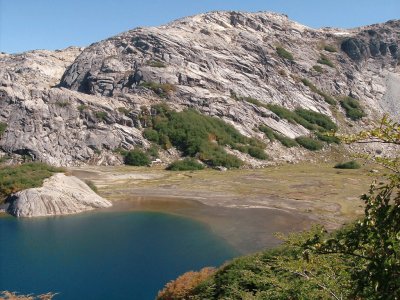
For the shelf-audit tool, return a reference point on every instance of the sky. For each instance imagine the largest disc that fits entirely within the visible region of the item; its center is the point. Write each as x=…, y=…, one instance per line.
x=57, y=24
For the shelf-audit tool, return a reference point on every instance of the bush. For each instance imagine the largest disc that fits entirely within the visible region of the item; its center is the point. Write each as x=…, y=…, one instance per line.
x=309, y=143
x=353, y=109
x=151, y=135
x=156, y=64
x=187, y=164
x=330, y=48
x=101, y=115
x=285, y=141
x=257, y=152
x=124, y=110
x=282, y=52
x=325, y=61
x=328, y=138
x=348, y=165
x=316, y=118
x=25, y=176
x=161, y=89
x=269, y=133
x=328, y=99
x=318, y=69
x=136, y=157
x=3, y=127
x=153, y=151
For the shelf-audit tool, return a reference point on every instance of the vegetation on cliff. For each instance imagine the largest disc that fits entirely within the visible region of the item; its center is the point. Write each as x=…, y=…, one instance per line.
x=360, y=261
x=20, y=177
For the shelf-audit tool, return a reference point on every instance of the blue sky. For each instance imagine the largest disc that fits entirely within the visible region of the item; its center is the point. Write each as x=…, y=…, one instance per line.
x=56, y=24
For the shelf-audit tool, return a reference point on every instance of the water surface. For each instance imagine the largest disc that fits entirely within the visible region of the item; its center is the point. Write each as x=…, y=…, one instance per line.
x=104, y=255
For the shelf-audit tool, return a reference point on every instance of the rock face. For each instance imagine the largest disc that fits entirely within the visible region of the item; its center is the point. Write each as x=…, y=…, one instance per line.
x=76, y=106
x=59, y=195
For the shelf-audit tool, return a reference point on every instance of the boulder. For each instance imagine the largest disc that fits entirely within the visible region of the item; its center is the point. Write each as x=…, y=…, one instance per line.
x=59, y=195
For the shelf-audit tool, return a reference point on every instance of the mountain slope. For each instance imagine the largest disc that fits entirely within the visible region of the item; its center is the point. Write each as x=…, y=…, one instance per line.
x=225, y=64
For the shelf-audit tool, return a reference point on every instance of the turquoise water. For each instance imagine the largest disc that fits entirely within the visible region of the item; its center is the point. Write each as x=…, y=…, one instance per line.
x=115, y=255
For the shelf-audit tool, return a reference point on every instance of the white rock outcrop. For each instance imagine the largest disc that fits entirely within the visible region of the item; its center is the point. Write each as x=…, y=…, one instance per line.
x=59, y=195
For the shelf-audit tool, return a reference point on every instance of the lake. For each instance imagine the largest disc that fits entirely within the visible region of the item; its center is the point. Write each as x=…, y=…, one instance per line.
x=104, y=255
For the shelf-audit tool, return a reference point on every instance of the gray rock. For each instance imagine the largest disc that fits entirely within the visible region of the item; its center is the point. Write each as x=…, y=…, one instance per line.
x=59, y=195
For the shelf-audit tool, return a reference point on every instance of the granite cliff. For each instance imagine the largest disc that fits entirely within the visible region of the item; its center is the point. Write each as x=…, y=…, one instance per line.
x=77, y=106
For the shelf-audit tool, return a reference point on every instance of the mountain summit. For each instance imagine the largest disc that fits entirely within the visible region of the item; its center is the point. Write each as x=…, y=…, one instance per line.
x=251, y=70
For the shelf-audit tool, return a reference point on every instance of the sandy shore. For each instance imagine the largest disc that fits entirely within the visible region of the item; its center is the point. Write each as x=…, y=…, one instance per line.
x=246, y=207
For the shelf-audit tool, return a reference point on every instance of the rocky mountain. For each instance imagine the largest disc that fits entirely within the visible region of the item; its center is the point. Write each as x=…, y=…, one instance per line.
x=77, y=106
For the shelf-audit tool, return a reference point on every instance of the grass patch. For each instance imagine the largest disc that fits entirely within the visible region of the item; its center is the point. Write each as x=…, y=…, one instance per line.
x=269, y=133
x=353, y=108
x=283, y=53
x=100, y=115
x=124, y=110
x=187, y=164
x=348, y=165
x=285, y=141
x=330, y=139
x=25, y=176
x=3, y=128
x=309, y=143
x=318, y=69
x=328, y=99
x=156, y=64
x=161, y=89
x=317, y=118
x=136, y=157
x=82, y=107
x=330, y=48
x=324, y=60
x=63, y=103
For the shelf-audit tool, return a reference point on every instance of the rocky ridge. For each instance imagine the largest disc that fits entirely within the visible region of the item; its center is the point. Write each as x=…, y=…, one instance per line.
x=77, y=106
x=59, y=195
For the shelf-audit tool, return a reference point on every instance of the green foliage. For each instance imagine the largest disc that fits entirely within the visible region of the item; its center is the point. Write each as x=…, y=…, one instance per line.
x=156, y=64
x=285, y=141
x=187, y=164
x=330, y=139
x=151, y=135
x=282, y=52
x=269, y=133
x=353, y=108
x=101, y=115
x=25, y=176
x=318, y=69
x=153, y=151
x=198, y=135
x=61, y=103
x=348, y=165
x=136, y=157
x=324, y=60
x=161, y=89
x=82, y=107
x=317, y=118
x=328, y=99
x=330, y=48
x=257, y=152
x=309, y=143
x=124, y=110
x=3, y=127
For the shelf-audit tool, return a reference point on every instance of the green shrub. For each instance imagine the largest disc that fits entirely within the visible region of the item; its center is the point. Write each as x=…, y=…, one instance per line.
x=348, y=165
x=285, y=141
x=328, y=138
x=101, y=115
x=156, y=64
x=137, y=157
x=257, y=152
x=269, y=133
x=25, y=176
x=309, y=143
x=325, y=61
x=318, y=69
x=187, y=164
x=151, y=135
x=197, y=135
x=63, y=103
x=161, y=89
x=82, y=107
x=124, y=110
x=353, y=108
x=316, y=118
x=330, y=48
x=282, y=52
x=153, y=151
x=3, y=127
